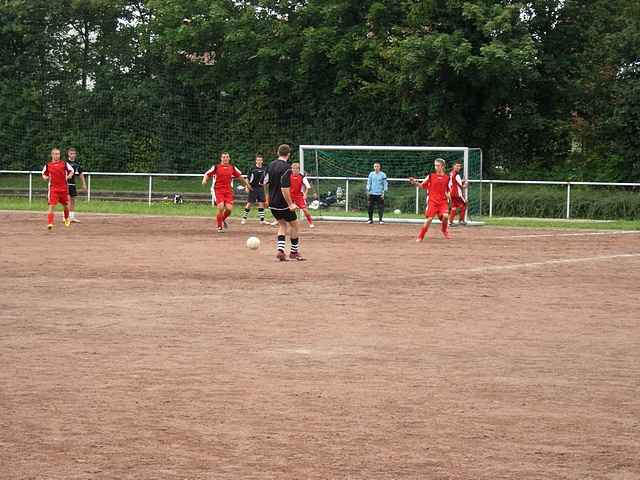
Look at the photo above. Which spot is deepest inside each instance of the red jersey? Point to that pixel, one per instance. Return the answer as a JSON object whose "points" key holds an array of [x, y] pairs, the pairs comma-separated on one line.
{"points": [[437, 187], [222, 175], [455, 185], [298, 182], [57, 173]]}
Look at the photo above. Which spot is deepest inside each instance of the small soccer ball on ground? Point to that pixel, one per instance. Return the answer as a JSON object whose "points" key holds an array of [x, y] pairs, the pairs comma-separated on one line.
{"points": [[253, 243], [397, 211]]}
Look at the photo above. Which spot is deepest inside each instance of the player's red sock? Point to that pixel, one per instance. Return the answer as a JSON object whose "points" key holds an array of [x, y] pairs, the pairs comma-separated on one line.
{"points": [[309, 219], [226, 214], [452, 215], [50, 218], [445, 227], [219, 219], [423, 232], [66, 213], [463, 211]]}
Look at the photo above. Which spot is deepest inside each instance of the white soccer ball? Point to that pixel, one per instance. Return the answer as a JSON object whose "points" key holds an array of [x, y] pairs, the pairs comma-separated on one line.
{"points": [[397, 211], [240, 188], [253, 243]]}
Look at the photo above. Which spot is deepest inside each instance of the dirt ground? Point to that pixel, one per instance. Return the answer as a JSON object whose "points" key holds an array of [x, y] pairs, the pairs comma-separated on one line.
{"points": [[154, 348]]}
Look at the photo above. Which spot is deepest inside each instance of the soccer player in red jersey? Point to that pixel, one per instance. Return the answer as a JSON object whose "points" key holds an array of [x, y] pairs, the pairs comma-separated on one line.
{"points": [[458, 202], [222, 175], [57, 172], [298, 190], [437, 187]]}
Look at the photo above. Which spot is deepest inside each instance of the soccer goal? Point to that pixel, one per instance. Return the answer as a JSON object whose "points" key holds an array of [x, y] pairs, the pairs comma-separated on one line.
{"points": [[339, 175]]}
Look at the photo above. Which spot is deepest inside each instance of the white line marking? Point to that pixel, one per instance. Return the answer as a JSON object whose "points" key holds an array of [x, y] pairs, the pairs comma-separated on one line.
{"points": [[565, 261], [533, 235]]}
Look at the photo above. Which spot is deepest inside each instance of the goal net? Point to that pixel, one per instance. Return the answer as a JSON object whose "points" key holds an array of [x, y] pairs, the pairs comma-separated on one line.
{"points": [[339, 174]]}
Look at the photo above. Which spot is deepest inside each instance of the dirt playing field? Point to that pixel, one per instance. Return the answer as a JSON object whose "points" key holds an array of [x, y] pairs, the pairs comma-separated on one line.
{"points": [[154, 348]]}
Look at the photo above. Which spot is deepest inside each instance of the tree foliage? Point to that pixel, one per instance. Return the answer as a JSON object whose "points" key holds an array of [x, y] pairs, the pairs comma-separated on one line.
{"points": [[548, 88]]}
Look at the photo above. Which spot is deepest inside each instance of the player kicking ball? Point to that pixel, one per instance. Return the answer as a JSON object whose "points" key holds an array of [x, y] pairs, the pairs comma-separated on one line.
{"points": [[221, 176], [57, 172], [437, 187], [277, 186], [300, 186]]}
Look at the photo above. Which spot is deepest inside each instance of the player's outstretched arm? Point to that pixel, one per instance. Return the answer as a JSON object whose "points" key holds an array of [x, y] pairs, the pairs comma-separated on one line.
{"points": [[247, 185], [205, 179], [84, 182]]}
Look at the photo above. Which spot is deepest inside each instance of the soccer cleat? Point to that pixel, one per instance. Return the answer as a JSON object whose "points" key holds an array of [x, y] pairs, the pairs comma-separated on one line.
{"points": [[67, 222], [296, 256], [220, 230], [462, 222], [281, 256], [50, 226], [419, 239], [311, 225], [262, 222], [226, 225], [75, 220], [243, 221], [369, 222], [381, 222]]}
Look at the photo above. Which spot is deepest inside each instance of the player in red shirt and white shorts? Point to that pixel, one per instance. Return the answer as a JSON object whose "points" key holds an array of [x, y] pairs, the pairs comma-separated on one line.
{"points": [[57, 172], [299, 189], [437, 187], [458, 202], [222, 175]]}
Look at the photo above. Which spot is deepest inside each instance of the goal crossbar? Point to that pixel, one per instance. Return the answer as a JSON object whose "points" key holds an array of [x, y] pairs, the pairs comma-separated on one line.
{"points": [[397, 148]]}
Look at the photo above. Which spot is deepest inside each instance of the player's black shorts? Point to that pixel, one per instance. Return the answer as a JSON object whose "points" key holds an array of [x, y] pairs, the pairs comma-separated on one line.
{"points": [[72, 191], [256, 195], [286, 215]]}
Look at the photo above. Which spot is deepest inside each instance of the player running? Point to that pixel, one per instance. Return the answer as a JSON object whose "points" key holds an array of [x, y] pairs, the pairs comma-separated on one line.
{"points": [[222, 175], [256, 195], [458, 202], [300, 186], [73, 192], [57, 172], [437, 187], [277, 185]]}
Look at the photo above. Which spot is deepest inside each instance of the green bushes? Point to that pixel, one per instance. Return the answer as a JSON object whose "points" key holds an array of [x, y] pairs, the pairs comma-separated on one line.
{"points": [[550, 202]]}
